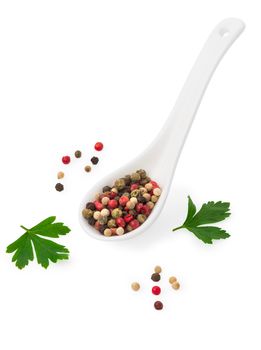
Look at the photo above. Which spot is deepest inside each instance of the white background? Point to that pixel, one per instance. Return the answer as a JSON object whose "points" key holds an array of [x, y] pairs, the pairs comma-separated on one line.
{"points": [[76, 72]]}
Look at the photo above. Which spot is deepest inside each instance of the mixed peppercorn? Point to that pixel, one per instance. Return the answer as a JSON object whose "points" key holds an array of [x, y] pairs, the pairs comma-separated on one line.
{"points": [[156, 290], [123, 207], [78, 154]]}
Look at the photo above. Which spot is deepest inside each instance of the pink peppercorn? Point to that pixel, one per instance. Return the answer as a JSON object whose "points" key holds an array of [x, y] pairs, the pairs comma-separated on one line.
{"points": [[97, 225], [120, 222], [98, 205], [98, 146], [156, 290], [154, 184], [145, 210], [123, 200], [112, 195], [139, 207], [128, 218], [112, 204], [134, 187], [66, 159], [134, 224]]}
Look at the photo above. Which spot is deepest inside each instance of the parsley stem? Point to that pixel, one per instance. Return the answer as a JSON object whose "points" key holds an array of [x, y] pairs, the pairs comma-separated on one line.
{"points": [[178, 228], [26, 229]]}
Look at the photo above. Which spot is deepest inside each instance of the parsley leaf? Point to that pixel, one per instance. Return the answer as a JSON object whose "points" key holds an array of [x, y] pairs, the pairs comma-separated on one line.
{"points": [[209, 213], [45, 249]]}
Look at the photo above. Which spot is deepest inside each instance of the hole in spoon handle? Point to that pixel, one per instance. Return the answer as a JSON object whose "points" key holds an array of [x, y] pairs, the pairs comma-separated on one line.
{"points": [[177, 126]]}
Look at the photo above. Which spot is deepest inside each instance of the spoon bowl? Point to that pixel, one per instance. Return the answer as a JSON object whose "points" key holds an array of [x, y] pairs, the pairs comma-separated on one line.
{"points": [[161, 157]]}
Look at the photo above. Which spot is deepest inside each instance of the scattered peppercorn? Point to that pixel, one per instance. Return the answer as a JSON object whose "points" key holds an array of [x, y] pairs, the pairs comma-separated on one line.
{"points": [[135, 286], [156, 290], [158, 305], [94, 160], [175, 285], [155, 277], [78, 154], [126, 205], [66, 159], [59, 187], [60, 175], [88, 168], [172, 279], [157, 269], [98, 146]]}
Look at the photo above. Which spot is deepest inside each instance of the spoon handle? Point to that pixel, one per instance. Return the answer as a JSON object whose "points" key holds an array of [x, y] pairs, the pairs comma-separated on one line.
{"points": [[177, 126]]}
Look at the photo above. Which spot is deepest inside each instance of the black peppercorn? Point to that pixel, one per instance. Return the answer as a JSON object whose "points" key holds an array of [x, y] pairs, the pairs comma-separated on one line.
{"points": [[78, 154], [91, 206], [91, 221], [106, 189], [141, 199], [155, 277], [158, 305], [94, 160], [102, 228], [127, 179], [59, 187]]}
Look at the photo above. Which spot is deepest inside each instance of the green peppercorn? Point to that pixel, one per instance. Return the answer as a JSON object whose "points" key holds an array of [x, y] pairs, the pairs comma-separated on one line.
{"points": [[126, 194], [59, 187], [78, 154], [103, 220], [143, 190], [142, 173], [135, 193], [129, 228], [111, 223], [135, 177], [94, 160], [133, 212], [116, 213], [119, 184], [141, 218], [87, 213]]}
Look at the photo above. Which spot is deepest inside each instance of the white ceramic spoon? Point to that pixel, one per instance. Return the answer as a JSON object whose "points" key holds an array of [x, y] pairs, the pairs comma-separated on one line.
{"points": [[161, 157]]}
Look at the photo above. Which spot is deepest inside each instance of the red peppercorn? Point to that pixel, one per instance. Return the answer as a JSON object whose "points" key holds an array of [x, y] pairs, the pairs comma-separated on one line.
{"points": [[120, 222], [134, 224], [154, 184], [145, 210], [139, 207], [98, 146], [128, 218], [97, 225], [113, 231], [112, 204], [112, 195], [66, 159], [156, 290], [123, 200], [134, 187], [98, 205]]}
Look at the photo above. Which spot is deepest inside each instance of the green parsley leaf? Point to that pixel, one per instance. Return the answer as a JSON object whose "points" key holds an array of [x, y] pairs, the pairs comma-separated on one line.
{"points": [[209, 213], [45, 249]]}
